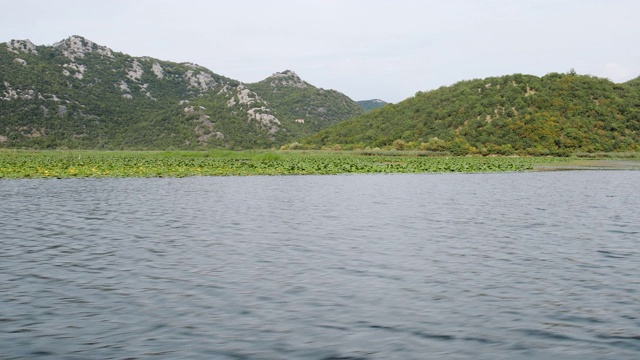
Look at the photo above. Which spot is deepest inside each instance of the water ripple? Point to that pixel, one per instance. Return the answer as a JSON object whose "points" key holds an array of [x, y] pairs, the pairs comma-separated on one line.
{"points": [[456, 266]]}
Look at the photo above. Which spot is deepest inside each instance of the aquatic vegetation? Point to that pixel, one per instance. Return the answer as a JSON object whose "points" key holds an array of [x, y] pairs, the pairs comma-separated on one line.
{"points": [[82, 164]]}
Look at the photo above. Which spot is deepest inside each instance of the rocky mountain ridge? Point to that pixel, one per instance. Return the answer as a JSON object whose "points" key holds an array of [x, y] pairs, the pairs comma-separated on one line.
{"points": [[79, 94]]}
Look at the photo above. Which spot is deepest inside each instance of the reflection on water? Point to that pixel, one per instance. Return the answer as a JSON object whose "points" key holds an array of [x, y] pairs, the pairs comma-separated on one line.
{"points": [[463, 266]]}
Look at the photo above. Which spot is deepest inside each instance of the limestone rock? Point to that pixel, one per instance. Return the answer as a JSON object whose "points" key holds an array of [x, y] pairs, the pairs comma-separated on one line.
{"points": [[17, 46], [77, 47], [287, 78]]}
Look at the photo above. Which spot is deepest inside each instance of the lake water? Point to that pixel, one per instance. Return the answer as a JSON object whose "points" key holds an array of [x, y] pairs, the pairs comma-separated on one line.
{"points": [[443, 266]]}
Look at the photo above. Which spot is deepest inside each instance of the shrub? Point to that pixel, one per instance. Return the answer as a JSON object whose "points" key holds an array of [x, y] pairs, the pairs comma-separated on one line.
{"points": [[293, 146], [399, 144], [434, 144]]}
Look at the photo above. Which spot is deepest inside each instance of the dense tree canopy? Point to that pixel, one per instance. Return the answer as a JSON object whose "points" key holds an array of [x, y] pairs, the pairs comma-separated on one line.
{"points": [[516, 113]]}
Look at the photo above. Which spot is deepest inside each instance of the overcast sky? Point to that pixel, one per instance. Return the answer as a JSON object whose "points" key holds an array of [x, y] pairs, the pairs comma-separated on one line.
{"points": [[387, 49]]}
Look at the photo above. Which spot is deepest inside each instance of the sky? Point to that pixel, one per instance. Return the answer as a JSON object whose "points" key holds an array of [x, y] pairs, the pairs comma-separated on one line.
{"points": [[367, 49]]}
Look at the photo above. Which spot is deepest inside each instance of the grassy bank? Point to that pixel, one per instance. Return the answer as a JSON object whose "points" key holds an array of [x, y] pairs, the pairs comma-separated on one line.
{"points": [[83, 164]]}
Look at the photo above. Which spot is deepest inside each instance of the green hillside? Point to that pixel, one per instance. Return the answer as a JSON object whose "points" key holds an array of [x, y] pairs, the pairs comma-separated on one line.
{"points": [[78, 94], [634, 82], [553, 114]]}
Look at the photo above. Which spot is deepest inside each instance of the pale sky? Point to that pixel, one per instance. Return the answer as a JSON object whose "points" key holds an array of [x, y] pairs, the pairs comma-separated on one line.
{"points": [[387, 49]]}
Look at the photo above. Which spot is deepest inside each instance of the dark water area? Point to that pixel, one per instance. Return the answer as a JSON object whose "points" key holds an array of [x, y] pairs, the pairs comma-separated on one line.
{"points": [[445, 266]]}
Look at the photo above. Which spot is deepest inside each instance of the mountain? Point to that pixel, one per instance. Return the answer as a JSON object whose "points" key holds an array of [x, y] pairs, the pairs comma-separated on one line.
{"points": [[78, 94], [553, 114], [304, 108], [372, 104]]}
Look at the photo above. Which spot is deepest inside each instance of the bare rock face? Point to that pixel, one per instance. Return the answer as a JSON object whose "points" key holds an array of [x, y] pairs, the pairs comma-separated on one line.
{"points": [[124, 87], [157, 69], [287, 78], [77, 47], [255, 106], [143, 88], [204, 128], [135, 72], [14, 94], [264, 119], [243, 96], [78, 70], [17, 46], [201, 80]]}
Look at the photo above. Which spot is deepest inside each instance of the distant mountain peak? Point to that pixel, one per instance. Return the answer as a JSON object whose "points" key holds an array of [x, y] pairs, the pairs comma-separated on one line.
{"points": [[369, 105], [77, 47], [287, 78]]}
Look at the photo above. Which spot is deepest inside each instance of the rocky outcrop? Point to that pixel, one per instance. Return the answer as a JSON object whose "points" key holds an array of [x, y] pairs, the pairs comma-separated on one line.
{"points": [[135, 72], [77, 47], [287, 78], [200, 80], [264, 119], [204, 128], [243, 96], [78, 70], [25, 46], [157, 69], [14, 94], [257, 108]]}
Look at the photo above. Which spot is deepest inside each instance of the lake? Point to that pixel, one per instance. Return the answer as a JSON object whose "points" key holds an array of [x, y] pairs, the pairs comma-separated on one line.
{"points": [[534, 265]]}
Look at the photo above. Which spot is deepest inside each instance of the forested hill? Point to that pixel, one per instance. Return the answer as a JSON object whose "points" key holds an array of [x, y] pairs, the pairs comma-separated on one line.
{"points": [[552, 114], [78, 94], [634, 82]]}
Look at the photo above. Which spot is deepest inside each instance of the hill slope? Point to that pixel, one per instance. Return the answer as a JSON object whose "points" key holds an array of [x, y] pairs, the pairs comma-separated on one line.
{"points": [[634, 82], [79, 94], [554, 113], [306, 108]]}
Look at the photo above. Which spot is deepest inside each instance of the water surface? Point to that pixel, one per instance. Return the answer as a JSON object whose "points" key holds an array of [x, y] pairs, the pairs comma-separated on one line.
{"points": [[455, 266]]}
